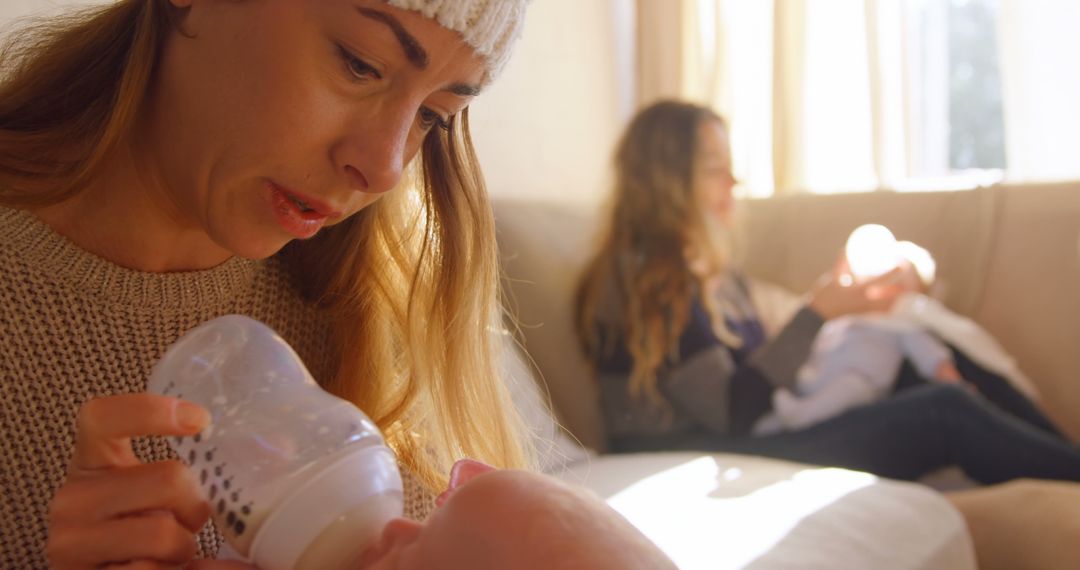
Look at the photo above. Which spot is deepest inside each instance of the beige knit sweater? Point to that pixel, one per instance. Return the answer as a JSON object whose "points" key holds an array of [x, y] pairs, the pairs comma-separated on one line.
{"points": [[74, 326]]}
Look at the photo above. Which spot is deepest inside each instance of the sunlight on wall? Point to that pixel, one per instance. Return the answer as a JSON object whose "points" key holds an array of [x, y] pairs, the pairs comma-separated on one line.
{"points": [[835, 87], [548, 126], [744, 92]]}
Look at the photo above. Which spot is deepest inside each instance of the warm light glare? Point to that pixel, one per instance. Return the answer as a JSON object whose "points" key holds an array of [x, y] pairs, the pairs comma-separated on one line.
{"points": [[714, 501], [871, 251]]}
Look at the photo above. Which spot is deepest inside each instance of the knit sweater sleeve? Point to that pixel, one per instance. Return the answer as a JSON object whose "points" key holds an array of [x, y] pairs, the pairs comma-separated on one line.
{"points": [[419, 500]]}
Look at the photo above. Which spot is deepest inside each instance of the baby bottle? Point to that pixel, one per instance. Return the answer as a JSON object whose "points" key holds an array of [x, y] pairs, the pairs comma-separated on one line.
{"points": [[295, 477]]}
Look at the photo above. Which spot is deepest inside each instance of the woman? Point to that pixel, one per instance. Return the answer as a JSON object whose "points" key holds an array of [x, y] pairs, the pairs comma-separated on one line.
{"points": [[163, 162], [683, 360]]}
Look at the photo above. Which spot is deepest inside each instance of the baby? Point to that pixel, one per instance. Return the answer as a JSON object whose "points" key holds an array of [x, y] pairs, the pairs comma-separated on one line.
{"points": [[501, 519], [855, 360], [492, 519]]}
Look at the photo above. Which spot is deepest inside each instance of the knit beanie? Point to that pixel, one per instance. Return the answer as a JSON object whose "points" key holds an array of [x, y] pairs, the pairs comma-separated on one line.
{"points": [[489, 26]]}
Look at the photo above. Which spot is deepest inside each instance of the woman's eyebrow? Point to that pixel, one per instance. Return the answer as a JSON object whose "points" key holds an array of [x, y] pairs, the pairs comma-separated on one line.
{"points": [[463, 90], [414, 52]]}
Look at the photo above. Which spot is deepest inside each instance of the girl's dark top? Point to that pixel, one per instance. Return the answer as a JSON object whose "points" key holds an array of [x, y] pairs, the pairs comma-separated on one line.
{"points": [[710, 389]]}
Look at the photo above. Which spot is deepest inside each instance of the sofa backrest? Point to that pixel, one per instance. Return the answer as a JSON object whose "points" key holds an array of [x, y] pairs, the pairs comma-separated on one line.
{"points": [[543, 249], [1008, 257]]}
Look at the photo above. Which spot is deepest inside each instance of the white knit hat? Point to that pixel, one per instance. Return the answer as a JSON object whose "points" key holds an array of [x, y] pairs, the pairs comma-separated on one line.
{"points": [[489, 26]]}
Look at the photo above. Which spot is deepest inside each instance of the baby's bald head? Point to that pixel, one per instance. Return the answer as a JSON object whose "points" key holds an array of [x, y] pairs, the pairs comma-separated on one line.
{"points": [[515, 519]]}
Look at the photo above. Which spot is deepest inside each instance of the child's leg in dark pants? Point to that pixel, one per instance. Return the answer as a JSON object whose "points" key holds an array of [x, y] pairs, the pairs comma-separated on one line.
{"points": [[922, 429]]}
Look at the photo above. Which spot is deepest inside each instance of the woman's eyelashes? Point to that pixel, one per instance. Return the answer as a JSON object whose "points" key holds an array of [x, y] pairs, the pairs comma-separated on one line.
{"points": [[429, 119], [360, 71]]}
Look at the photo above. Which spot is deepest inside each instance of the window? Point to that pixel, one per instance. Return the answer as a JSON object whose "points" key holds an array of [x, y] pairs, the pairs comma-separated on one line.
{"points": [[956, 90], [854, 95]]}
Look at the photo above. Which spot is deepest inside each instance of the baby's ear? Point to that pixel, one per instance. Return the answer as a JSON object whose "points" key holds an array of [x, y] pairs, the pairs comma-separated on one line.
{"points": [[401, 530], [462, 472], [396, 535]]}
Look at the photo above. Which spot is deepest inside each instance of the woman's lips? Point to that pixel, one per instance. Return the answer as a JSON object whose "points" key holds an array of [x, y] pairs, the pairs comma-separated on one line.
{"points": [[312, 203], [299, 221]]}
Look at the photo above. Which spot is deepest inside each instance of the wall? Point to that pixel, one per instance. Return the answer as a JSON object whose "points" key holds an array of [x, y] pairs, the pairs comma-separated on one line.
{"points": [[12, 9], [546, 129]]}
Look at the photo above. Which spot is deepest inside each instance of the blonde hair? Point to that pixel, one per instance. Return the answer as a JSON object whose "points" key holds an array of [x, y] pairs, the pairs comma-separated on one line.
{"points": [[659, 248], [410, 283]]}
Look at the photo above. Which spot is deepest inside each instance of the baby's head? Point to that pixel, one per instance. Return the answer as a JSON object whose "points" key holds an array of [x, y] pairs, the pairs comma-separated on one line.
{"points": [[919, 265], [514, 519]]}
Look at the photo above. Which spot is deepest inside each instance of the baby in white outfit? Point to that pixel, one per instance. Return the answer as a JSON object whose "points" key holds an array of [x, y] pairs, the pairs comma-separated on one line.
{"points": [[855, 360]]}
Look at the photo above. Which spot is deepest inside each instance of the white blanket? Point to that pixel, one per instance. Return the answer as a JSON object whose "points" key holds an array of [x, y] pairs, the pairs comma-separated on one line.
{"points": [[716, 511]]}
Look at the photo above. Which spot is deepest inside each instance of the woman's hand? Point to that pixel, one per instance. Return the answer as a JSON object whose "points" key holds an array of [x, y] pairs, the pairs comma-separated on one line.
{"points": [[114, 510], [838, 295], [218, 565]]}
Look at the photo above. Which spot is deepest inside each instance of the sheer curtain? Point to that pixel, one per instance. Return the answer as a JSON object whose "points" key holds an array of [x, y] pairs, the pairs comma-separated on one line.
{"points": [[863, 94], [810, 107], [1040, 44]]}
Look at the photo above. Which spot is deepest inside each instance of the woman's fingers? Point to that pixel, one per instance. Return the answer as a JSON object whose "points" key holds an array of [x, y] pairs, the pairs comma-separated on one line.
{"points": [[841, 266], [106, 426], [836, 298], [888, 279], [154, 538], [141, 565], [113, 510], [882, 291], [165, 486], [218, 565]]}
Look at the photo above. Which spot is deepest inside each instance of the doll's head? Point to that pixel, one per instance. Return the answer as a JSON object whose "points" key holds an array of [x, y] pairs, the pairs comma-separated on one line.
{"points": [[515, 519]]}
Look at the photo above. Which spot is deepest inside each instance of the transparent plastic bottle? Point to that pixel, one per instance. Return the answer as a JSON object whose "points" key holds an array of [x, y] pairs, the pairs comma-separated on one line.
{"points": [[295, 477]]}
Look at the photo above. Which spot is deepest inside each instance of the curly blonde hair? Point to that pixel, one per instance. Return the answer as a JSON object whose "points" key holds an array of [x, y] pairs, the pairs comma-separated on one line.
{"points": [[659, 248]]}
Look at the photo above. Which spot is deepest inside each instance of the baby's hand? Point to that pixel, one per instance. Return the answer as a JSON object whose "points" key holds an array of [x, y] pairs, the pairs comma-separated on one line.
{"points": [[947, 372], [461, 473]]}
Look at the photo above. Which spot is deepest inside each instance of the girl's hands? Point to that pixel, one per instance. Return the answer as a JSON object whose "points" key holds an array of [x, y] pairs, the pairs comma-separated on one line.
{"points": [[115, 511], [837, 294]]}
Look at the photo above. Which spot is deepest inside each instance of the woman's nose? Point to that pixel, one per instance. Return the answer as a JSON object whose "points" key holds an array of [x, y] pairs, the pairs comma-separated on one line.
{"points": [[373, 155]]}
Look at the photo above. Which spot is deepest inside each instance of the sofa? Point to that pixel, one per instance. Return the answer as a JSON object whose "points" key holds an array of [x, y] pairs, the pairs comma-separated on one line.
{"points": [[1008, 257]]}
